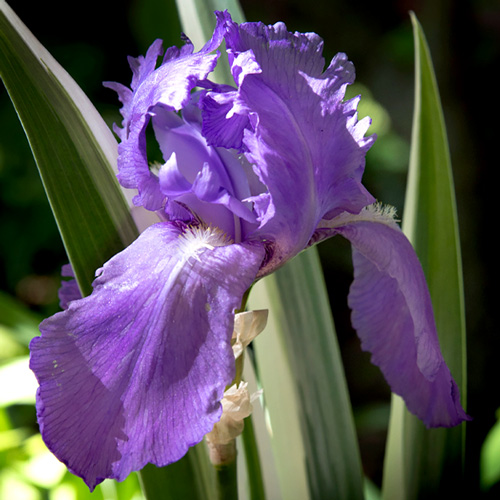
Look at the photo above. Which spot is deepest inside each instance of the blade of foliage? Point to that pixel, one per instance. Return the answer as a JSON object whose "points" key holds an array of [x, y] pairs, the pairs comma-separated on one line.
{"points": [[256, 483], [300, 342], [490, 456], [429, 462], [280, 398], [191, 477], [197, 17], [73, 148], [198, 20], [259, 478]]}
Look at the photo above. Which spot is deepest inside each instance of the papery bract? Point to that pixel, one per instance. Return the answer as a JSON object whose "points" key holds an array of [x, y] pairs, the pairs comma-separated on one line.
{"points": [[251, 175]]}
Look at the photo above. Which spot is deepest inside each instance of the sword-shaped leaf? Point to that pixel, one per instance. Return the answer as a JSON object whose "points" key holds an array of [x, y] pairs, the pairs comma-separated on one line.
{"points": [[299, 365], [74, 149], [421, 463]]}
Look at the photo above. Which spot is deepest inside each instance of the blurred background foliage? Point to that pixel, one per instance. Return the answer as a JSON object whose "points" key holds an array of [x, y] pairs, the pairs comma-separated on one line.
{"points": [[92, 39]]}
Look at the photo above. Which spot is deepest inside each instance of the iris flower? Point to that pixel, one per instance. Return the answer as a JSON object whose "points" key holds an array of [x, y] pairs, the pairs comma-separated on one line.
{"points": [[252, 174]]}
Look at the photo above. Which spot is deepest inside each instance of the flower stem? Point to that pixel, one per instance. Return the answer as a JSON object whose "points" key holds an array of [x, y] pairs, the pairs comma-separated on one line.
{"points": [[254, 469], [239, 361], [223, 457]]}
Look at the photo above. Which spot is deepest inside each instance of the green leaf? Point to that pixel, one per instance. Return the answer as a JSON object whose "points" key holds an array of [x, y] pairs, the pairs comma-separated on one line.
{"points": [[254, 468], [490, 456], [73, 147], [192, 477], [197, 18], [423, 463], [299, 366], [280, 398]]}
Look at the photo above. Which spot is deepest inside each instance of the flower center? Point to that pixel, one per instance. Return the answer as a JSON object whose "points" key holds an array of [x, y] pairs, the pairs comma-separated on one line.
{"points": [[196, 239]]}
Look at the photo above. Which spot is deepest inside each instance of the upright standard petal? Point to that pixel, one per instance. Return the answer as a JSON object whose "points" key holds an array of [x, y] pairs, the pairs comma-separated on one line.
{"points": [[168, 86], [305, 143], [210, 181], [392, 314], [135, 372]]}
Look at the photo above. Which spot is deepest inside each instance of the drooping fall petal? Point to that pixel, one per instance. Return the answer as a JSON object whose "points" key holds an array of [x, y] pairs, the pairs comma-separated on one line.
{"points": [[392, 314], [135, 372]]}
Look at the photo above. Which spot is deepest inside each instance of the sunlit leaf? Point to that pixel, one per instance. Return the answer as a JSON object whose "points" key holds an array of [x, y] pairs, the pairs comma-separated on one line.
{"points": [[490, 457], [198, 20], [12, 438], [12, 485], [421, 463], [42, 468], [299, 365]]}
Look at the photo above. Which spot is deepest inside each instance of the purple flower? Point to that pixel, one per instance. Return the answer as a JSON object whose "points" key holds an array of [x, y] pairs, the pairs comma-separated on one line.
{"points": [[251, 175]]}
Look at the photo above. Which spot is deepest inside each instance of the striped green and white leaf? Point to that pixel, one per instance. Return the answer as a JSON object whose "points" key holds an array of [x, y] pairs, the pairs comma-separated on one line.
{"points": [[421, 463], [74, 149], [299, 366], [198, 20]]}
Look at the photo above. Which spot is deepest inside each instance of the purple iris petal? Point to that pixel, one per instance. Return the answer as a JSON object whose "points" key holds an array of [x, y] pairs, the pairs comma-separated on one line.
{"points": [[392, 314], [69, 288], [169, 85], [217, 127], [306, 145], [213, 175], [134, 373]]}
